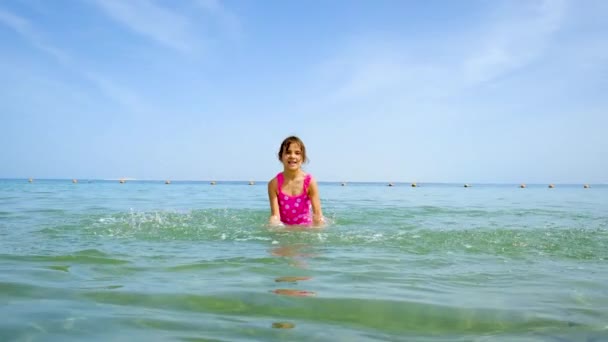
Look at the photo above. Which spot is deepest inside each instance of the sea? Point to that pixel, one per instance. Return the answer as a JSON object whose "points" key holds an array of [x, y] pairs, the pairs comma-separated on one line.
{"points": [[100, 260]]}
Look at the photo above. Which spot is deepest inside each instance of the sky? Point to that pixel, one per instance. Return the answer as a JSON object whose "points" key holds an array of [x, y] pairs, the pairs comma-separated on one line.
{"points": [[400, 91]]}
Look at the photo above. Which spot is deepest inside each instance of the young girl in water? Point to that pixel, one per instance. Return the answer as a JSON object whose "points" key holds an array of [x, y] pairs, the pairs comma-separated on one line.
{"points": [[293, 191]]}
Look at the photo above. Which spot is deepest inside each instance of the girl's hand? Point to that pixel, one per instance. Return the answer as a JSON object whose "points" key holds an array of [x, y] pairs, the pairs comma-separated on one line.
{"points": [[274, 221], [318, 221]]}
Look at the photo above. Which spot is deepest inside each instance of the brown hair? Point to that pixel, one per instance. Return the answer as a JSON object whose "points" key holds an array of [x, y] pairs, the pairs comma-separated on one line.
{"points": [[293, 140]]}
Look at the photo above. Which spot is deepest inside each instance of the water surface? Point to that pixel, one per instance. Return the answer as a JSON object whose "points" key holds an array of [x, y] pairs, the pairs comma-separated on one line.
{"points": [[189, 261]]}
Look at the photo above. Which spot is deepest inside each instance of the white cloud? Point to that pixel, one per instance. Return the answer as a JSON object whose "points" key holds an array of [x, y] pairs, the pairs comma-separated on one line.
{"points": [[152, 21], [226, 19], [15, 22], [168, 26], [25, 29], [384, 71], [402, 70], [514, 41], [121, 94]]}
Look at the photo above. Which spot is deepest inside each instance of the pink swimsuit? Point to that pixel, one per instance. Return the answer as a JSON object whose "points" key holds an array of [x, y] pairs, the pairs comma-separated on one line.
{"points": [[294, 209]]}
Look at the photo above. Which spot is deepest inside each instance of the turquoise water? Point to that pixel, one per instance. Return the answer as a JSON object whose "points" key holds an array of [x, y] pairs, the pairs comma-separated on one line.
{"points": [[103, 261]]}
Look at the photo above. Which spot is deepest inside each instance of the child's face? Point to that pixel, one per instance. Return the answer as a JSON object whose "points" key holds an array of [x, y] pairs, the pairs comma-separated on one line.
{"points": [[292, 157]]}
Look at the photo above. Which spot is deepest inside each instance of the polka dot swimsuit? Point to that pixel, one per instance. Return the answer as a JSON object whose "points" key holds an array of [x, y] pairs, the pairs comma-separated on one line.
{"points": [[294, 209]]}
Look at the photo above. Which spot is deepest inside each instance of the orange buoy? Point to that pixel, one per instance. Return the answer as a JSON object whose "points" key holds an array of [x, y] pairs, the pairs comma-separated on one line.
{"points": [[294, 293], [283, 325], [291, 279]]}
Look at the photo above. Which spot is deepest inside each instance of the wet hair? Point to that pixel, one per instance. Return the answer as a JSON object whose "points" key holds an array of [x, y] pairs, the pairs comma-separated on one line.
{"points": [[292, 140]]}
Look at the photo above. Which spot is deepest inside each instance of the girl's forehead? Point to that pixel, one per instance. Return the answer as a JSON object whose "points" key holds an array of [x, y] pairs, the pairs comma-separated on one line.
{"points": [[293, 146]]}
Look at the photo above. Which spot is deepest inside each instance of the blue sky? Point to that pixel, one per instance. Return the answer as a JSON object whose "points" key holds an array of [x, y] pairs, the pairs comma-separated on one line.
{"points": [[425, 91]]}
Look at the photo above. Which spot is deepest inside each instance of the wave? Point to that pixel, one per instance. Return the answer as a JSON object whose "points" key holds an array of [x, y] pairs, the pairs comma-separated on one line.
{"points": [[409, 231]]}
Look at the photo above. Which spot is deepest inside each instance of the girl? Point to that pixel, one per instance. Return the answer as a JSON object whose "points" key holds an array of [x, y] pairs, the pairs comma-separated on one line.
{"points": [[293, 192]]}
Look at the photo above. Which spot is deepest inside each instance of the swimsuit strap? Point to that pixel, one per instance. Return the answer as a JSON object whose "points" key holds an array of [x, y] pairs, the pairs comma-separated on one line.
{"points": [[306, 183], [280, 180]]}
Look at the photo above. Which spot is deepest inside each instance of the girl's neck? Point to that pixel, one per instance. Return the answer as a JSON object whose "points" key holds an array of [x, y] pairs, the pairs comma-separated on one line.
{"points": [[292, 174]]}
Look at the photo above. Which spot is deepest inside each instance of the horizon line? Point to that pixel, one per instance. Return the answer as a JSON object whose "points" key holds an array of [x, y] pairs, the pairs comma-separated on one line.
{"points": [[129, 179]]}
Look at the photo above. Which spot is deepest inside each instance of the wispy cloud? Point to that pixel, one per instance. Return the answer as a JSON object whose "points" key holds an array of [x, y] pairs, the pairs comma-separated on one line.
{"points": [[168, 26], [516, 40], [119, 93], [24, 28], [148, 19], [27, 31], [225, 18], [369, 74], [383, 70], [15, 22], [391, 67]]}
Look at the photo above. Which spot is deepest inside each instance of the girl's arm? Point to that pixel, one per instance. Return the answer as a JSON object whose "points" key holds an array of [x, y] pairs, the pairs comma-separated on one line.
{"points": [[317, 212], [274, 218]]}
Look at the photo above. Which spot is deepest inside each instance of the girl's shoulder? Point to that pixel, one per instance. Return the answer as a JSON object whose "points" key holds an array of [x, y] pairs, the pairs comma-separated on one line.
{"points": [[276, 178], [273, 183]]}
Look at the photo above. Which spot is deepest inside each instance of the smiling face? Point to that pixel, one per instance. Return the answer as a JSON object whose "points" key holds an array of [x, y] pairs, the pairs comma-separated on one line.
{"points": [[292, 153], [292, 156]]}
